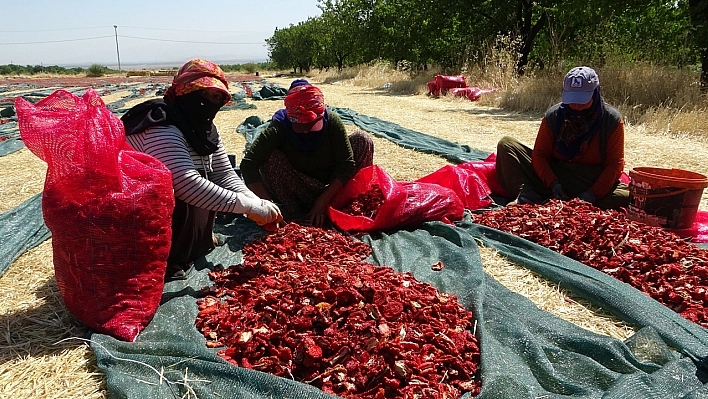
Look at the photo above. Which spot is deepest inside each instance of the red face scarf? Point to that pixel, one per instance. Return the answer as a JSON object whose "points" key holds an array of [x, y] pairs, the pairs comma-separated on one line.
{"points": [[304, 104]]}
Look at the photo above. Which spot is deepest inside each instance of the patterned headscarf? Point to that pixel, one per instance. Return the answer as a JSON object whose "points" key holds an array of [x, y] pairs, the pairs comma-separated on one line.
{"points": [[198, 74], [304, 104]]}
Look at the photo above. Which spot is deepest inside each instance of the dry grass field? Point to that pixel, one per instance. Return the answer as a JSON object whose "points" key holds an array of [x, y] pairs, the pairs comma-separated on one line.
{"points": [[39, 355]]}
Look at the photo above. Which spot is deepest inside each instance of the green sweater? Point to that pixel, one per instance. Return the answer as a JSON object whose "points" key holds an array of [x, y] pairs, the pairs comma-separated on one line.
{"points": [[333, 158]]}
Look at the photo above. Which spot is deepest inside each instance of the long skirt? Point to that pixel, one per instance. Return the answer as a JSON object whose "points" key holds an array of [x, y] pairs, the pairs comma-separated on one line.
{"points": [[191, 235]]}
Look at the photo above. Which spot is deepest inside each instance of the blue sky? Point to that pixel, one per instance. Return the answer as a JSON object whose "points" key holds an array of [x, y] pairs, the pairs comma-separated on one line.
{"points": [[81, 32]]}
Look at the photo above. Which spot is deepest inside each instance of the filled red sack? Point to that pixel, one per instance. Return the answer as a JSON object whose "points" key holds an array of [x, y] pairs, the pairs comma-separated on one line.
{"points": [[109, 210], [445, 83], [433, 89], [404, 204], [468, 186], [470, 93], [487, 172]]}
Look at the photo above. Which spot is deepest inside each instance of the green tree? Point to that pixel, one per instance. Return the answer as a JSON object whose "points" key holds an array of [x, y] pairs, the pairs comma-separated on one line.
{"points": [[343, 33], [699, 19]]}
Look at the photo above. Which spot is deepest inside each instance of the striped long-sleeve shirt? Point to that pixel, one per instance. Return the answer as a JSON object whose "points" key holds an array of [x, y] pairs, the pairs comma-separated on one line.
{"points": [[208, 182]]}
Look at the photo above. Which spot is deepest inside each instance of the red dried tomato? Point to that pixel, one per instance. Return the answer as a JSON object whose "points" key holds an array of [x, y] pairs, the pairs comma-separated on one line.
{"points": [[651, 259], [366, 204], [304, 305]]}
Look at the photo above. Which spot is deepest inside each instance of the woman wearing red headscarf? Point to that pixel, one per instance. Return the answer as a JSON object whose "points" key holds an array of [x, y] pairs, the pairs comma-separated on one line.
{"points": [[179, 131], [304, 156]]}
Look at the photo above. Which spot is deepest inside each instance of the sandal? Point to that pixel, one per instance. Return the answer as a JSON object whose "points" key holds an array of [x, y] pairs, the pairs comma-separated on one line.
{"points": [[174, 274], [218, 240]]}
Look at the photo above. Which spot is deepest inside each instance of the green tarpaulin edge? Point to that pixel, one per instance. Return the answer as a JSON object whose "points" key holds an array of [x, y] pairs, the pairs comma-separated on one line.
{"points": [[411, 139], [404, 137]]}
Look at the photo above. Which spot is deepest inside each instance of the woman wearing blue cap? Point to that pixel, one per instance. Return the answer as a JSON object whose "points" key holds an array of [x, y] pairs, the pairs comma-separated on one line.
{"points": [[304, 156], [579, 150]]}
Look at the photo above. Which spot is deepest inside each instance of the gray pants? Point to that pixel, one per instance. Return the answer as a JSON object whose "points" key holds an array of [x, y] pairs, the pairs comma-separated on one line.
{"points": [[516, 173]]}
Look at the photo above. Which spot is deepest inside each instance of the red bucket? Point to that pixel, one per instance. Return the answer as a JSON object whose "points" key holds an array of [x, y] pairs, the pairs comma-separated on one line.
{"points": [[665, 197]]}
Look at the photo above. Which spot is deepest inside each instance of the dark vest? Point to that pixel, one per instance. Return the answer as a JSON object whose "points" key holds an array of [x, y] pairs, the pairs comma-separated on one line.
{"points": [[611, 117]]}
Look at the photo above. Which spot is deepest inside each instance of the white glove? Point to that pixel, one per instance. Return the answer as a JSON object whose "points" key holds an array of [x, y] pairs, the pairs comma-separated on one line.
{"points": [[261, 211]]}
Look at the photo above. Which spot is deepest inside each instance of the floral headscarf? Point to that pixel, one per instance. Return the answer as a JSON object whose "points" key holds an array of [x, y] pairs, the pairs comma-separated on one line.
{"points": [[304, 104], [198, 74]]}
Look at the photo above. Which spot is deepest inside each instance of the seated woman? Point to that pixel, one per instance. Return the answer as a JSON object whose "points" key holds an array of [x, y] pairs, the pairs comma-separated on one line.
{"points": [[304, 156], [179, 131], [579, 150]]}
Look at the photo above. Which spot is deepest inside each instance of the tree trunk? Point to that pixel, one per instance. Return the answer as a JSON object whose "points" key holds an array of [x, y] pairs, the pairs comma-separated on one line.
{"points": [[704, 71], [698, 10], [529, 37]]}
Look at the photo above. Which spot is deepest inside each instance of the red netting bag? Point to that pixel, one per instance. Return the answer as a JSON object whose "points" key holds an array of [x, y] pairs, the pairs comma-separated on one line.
{"points": [[389, 204], [466, 183], [108, 207]]}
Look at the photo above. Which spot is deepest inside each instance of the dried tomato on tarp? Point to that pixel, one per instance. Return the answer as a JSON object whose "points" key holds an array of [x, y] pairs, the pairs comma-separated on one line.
{"points": [[304, 305], [651, 259], [367, 203]]}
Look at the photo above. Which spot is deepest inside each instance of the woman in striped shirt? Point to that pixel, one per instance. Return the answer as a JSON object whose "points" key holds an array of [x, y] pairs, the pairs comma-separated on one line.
{"points": [[178, 130]]}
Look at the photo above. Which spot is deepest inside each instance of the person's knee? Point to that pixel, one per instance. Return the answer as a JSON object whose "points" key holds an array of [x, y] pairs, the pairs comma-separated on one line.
{"points": [[506, 143], [614, 200], [363, 148], [362, 138]]}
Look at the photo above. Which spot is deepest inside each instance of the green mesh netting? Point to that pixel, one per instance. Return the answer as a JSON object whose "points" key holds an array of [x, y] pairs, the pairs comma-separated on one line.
{"points": [[411, 139], [10, 140], [404, 137], [270, 92], [22, 229], [526, 352]]}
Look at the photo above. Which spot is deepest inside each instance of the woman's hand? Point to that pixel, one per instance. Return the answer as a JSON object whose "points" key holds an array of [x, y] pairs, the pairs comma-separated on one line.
{"points": [[262, 211], [318, 214]]}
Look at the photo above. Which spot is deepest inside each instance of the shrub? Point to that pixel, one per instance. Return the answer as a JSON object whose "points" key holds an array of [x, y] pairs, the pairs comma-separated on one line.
{"points": [[96, 70]]}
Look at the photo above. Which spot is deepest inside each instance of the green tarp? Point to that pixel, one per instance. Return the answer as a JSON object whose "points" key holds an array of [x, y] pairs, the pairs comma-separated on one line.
{"points": [[525, 352], [22, 229], [270, 92], [404, 137], [10, 140], [407, 138]]}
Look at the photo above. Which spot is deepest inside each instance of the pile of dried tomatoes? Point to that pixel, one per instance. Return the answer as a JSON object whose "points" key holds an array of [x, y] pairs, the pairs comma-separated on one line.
{"points": [[651, 259], [304, 305], [367, 203]]}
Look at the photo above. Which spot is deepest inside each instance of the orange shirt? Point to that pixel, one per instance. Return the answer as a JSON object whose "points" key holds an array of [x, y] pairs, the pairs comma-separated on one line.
{"points": [[544, 151]]}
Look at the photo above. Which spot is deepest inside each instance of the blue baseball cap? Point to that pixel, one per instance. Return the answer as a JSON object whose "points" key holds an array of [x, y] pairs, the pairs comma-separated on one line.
{"points": [[299, 82], [579, 85]]}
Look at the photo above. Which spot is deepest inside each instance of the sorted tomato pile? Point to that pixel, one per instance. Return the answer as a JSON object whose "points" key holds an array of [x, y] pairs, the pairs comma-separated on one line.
{"points": [[367, 203], [303, 305], [651, 259]]}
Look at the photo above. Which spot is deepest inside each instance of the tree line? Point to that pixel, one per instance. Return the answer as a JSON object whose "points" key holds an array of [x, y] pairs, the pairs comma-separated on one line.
{"points": [[12, 69], [100, 70], [455, 33]]}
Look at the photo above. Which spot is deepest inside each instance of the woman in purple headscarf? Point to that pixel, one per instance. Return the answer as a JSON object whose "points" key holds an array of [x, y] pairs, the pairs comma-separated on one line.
{"points": [[304, 156]]}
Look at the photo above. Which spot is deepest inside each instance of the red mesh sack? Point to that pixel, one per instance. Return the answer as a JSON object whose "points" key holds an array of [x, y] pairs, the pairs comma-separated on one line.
{"points": [[444, 82], [108, 208], [433, 89], [470, 93], [402, 204], [468, 186], [487, 171]]}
